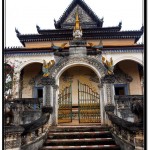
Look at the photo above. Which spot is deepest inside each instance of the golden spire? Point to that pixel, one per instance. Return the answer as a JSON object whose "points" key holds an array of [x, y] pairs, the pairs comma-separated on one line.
{"points": [[77, 23]]}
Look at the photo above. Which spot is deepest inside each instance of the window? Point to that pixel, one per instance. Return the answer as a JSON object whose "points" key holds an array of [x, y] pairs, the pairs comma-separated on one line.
{"points": [[121, 89], [38, 92]]}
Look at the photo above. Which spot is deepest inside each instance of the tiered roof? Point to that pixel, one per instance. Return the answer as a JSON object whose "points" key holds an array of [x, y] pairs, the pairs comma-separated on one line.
{"points": [[91, 27]]}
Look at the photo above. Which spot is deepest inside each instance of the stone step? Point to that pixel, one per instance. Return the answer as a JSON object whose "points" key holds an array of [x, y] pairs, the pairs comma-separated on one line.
{"points": [[76, 135], [79, 128], [80, 137], [77, 142], [92, 147]]}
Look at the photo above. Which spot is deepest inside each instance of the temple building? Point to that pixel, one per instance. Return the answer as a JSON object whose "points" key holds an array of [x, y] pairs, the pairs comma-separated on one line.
{"points": [[78, 77]]}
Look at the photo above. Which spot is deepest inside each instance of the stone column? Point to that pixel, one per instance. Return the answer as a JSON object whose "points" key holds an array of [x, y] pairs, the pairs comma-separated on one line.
{"points": [[16, 84], [48, 98], [47, 82], [101, 102], [54, 115], [108, 81]]}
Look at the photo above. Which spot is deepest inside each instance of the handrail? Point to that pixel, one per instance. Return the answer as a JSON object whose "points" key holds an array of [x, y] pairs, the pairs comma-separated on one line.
{"points": [[128, 97], [130, 126], [33, 126]]}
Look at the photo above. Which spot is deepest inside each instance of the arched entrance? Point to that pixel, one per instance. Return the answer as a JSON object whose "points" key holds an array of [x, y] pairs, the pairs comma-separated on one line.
{"points": [[79, 96]]}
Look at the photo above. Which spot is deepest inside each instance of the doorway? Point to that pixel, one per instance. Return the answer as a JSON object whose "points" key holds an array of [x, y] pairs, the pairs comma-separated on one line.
{"points": [[79, 98]]}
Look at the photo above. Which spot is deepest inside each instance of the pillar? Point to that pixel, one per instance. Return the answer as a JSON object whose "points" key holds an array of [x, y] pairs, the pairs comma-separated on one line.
{"points": [[16, 84], [108, 81]]}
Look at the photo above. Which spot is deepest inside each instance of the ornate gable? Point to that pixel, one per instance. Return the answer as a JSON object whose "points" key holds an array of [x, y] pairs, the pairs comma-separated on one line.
{"points": [[87, 17]]}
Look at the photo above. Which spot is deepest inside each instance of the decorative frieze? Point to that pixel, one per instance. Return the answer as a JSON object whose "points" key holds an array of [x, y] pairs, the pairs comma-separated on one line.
{"points": [[77, 60], [121, 77], [108, 79]]}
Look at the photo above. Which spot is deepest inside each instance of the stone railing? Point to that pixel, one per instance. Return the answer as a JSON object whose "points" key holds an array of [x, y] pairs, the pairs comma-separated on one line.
{"points": [[35, 133], [12, 137], [27, 103], [22, 111], [127, 134], [28, 136], [129, 107]]}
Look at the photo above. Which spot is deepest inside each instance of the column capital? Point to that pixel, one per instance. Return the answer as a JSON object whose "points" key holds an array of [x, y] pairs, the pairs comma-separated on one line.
{"points": [[48, 81], [108, 79]]}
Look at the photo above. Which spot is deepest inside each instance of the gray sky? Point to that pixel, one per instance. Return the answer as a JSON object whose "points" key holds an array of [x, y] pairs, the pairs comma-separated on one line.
{"points": [[26, 14]]}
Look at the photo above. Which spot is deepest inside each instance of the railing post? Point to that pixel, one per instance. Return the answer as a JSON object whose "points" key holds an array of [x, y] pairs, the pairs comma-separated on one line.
{"points": [[13, 137]]}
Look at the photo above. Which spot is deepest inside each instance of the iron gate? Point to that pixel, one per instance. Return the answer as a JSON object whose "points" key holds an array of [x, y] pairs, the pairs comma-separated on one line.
{"points": [[89, 104], [65, 105]]}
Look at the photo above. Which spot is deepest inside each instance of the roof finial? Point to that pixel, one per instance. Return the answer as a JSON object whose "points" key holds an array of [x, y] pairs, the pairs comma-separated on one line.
{"points": [[77, 22]]}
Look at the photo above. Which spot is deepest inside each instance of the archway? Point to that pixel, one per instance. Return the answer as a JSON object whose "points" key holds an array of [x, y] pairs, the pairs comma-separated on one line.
{"points": [[30, 81], [129, 75], [79, 96]]}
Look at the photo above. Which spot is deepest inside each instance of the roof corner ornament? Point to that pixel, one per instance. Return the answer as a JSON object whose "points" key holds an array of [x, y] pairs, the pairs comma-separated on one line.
{"points": [[120, 24], [37, 27], [77, 31], [109, 65], [142, 28], [17, 32], [102, 19]]}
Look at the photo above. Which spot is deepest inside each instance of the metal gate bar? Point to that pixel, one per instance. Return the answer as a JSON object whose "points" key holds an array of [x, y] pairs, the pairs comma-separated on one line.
{"points": [[89, 104], [65, 105]]}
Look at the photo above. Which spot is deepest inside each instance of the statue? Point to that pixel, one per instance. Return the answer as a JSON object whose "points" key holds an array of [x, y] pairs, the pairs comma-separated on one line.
{"points": [[46, 67], [77, 32], [58, 48], [108, 65], [96, 47]]}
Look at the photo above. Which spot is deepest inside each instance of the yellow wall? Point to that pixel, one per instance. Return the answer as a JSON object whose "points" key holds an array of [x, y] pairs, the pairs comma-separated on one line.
{"points": [[78, 73], [106, 42], [131, 68], [30, 72]]}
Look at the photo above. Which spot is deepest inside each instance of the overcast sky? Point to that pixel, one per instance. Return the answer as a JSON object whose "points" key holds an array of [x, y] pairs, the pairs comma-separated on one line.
{"points": [[26, 14]]}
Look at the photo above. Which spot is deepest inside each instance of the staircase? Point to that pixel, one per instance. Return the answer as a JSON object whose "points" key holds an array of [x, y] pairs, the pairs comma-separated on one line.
{"points": [[80, 137]]}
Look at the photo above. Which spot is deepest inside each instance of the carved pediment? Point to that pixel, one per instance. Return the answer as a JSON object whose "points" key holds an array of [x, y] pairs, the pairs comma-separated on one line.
{"points": [[121, 76], [84, 18], [88, 19]]}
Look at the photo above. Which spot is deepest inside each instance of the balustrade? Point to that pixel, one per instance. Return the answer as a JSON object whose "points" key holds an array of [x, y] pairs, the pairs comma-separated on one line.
{"points": [[126, 104]]}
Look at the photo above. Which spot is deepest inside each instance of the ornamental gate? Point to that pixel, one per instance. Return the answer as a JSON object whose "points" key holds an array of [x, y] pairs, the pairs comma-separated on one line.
{"points": [[65, 105], [89, 104]]}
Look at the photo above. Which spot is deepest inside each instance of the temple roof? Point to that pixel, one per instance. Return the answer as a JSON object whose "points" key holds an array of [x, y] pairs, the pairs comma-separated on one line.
{"points": [[91, 27], [87, 17], [88, 34]]}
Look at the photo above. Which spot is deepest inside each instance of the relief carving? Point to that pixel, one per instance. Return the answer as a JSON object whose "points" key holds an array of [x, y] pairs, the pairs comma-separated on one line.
{"points": [[77, 60]]}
